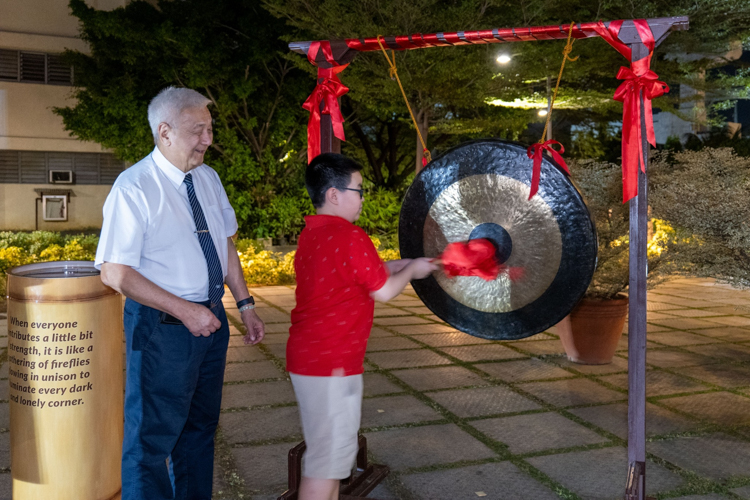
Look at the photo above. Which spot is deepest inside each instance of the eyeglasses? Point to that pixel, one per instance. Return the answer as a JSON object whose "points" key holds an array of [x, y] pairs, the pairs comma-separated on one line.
{"points": [[360, 191]]}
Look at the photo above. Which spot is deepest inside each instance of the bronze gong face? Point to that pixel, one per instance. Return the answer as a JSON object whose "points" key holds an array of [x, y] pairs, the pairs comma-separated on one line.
{"points": [[480, 189]]}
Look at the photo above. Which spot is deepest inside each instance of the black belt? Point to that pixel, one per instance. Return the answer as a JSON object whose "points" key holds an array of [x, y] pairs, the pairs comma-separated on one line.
{"points": [[168, 319]]}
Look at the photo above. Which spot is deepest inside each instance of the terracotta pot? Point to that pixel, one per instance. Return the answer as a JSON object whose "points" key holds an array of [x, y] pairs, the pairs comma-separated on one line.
{"points": [[596, 328]]}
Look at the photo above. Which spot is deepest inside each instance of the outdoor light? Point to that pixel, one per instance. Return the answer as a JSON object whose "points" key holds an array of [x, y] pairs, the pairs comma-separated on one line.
{"points": [[503, 59], [542, 112]]}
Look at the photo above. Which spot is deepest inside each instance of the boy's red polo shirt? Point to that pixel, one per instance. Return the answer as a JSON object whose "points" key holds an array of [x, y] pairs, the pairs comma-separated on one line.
{"points": [[337, 267]]}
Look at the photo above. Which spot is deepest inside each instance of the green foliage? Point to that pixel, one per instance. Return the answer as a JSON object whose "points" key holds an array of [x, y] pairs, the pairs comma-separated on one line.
{"points": [[230, 52], [444, 86], [262, 267], [235, 53], [35, 242], [380, 213], [284, 216], [449, 87], [20, 248], [705, 194], [32, 243]]}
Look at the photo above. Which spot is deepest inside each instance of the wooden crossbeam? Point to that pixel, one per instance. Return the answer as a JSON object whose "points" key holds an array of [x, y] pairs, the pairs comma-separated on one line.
{"points": [[345, 50]]}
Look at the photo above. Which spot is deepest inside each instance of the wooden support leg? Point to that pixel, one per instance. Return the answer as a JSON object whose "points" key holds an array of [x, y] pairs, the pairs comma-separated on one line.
{"points": [[636, 481], [358, 485]]}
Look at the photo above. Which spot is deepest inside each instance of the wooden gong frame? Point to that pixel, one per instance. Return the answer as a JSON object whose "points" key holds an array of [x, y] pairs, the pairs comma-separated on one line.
{"points": [[344, 51]]}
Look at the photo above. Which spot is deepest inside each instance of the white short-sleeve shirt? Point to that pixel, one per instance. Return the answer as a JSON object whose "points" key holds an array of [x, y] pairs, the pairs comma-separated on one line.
{"points": [[148, 225]]}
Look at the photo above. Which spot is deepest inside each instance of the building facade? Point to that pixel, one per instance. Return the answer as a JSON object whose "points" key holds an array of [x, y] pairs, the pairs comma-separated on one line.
{"points": [[48, 179]]}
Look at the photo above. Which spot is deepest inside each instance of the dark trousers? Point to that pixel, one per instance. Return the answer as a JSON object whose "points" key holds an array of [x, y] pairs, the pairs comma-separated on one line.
{"points": [[172, 404]]}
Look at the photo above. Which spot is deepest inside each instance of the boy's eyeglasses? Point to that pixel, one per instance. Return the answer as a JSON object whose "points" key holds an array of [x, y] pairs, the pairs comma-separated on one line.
{"points": [[360, 191]]}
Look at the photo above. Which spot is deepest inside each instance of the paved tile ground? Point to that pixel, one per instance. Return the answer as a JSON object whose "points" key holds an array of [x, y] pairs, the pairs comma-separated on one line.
{"points": [[457, 417]]}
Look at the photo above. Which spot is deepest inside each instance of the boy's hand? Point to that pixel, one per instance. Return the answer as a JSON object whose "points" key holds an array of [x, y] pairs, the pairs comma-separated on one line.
{"points": [[422, 267], [395, 266]]}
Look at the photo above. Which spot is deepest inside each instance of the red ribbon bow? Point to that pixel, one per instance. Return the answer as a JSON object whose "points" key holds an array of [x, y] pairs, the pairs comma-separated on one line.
{"points": [[629, 93], [327, 92], [535, 152], [637, 78]]}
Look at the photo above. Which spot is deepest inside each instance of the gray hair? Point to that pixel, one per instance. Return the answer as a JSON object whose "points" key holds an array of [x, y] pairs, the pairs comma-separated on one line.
{"points": [[168, 104]]}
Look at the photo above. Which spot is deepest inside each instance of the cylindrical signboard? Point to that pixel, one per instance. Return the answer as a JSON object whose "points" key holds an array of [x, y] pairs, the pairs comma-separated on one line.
{"points": [[66, 383]]}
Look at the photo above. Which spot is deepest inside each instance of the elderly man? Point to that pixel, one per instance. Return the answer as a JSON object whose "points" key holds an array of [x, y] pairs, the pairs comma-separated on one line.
{"points": [[166, 245]]}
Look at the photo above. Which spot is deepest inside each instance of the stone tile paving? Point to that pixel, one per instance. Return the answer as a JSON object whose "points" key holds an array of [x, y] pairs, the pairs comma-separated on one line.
{"points": [[598, 474], [572, 392], [717, 456], [537, 432], [722, 408], [524, 370], [396, 410], [501, 480], [613, 418], [483, 401], [710, 496], [411, 448], [425, 379], [743, 492], [456, 416], [659, 383]]}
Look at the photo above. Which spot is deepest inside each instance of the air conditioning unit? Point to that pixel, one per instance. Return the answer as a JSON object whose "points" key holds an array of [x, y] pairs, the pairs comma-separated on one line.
{"points": [[61, 177]]}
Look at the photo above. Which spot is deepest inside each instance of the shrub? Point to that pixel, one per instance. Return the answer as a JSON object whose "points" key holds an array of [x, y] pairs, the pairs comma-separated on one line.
{"points": [[705, 194], [33, 242], [73, 250], [259, 266], [380, 214], [13, 257], [601, 186], [385, 253], [262, 267]]}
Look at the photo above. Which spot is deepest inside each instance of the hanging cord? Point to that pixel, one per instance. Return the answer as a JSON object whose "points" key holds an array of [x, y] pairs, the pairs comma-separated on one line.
{"points": [[566, 57], [393, 72]]}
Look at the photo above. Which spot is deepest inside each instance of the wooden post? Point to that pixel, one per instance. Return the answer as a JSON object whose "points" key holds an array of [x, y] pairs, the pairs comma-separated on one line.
{"points": [[639, 229], [329, 143]]}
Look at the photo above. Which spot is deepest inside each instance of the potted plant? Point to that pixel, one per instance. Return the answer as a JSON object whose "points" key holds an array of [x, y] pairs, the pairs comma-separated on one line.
{"points": [[591, 332]]}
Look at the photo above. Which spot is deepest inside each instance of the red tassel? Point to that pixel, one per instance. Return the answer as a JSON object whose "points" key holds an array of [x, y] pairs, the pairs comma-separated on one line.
{"points": [[476, 258]]}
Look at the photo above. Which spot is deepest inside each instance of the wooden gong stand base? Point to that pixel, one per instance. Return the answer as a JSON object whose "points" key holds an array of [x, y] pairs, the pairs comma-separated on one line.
{"points": [[358, 485]]}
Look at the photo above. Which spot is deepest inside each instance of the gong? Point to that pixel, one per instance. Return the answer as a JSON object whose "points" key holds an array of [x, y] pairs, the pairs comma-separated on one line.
{"points": [[480, 189]]}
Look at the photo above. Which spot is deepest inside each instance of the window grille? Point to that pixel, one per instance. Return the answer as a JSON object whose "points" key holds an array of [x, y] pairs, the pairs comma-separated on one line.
{"points": [[33, 167], [9, 65], [58, 73], [10, 169], [34, 67]]}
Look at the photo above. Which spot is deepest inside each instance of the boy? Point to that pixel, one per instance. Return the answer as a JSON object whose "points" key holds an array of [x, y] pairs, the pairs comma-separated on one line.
{"points": [[339, 274]]}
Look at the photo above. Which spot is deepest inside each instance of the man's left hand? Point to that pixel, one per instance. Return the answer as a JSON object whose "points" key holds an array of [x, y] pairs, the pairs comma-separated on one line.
{"points": [[255, 327]]}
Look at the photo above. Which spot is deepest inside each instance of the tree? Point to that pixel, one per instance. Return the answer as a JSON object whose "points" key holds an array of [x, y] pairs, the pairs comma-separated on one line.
{"points": [[449, 88], [230, 52], [441, 84]]}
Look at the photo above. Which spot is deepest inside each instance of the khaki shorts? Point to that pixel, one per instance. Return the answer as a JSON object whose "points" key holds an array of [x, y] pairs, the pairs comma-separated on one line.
{"points": [[330, 409]]}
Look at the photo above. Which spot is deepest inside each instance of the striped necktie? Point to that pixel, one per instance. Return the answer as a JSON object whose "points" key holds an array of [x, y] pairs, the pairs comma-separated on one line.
{"points": [[215, 274]]}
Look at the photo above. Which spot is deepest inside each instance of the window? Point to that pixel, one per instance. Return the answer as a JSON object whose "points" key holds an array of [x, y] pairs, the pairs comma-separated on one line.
{"points": [[9, 65], [34, 167], [34, 67], [55, 207]]}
